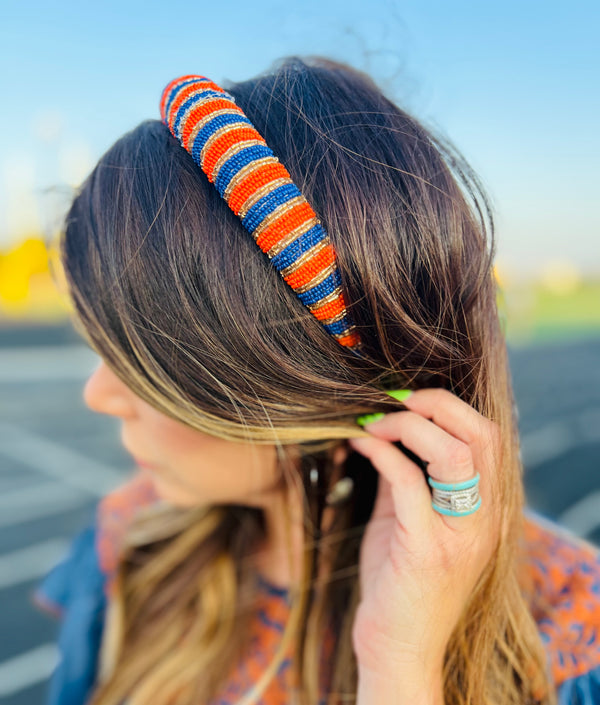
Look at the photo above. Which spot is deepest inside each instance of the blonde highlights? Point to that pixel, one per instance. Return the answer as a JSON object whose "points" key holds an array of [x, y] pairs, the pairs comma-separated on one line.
{"points": [[171, 291]]}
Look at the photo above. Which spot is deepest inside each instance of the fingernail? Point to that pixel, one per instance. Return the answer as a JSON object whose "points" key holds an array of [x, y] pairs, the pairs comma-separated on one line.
{"points": [[399, 394], [369, 418]]}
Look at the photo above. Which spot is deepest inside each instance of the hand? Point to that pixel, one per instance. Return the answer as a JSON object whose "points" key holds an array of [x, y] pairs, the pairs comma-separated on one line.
{"points": [[418, 567]]}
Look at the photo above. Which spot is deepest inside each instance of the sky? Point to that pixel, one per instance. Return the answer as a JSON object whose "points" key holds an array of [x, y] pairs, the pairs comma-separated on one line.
{"points": [[513, 84]]}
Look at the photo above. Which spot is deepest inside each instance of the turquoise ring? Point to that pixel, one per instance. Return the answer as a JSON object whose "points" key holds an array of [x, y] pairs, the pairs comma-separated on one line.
{"points": [[456, 499]]}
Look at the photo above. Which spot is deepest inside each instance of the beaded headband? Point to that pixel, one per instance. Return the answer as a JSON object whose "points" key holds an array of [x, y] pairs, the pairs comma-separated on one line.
{"points": [[258, 188]]}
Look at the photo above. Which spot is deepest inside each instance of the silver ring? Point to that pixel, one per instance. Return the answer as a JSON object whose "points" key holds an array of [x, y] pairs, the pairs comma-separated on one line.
{"points": [[455, 499]]}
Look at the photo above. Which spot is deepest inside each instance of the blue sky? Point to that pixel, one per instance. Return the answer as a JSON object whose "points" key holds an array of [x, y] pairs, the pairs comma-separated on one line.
{"points": [[513, 84]]}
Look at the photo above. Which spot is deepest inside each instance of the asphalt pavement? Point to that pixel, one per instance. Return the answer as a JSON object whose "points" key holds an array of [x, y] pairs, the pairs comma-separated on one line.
{"points": [[57, 458]]}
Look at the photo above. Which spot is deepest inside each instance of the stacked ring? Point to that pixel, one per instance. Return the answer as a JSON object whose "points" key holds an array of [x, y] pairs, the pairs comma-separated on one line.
{"points": [[455, 499]]}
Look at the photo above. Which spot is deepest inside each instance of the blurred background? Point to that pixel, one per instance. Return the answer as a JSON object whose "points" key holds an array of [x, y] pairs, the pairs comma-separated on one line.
{"points": [[511, 84]]}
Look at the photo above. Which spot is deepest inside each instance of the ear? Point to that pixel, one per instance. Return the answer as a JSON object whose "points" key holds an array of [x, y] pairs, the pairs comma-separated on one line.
{"points": [[341, 453]]}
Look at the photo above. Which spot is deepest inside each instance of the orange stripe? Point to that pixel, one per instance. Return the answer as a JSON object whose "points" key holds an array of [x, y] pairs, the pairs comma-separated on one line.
{"points": [[169, 87], [202, 111], [185, 93], [182, 95], [283, 225], [331, 309], [255, 180], [311, 268], [218, 148], [349, 340]]}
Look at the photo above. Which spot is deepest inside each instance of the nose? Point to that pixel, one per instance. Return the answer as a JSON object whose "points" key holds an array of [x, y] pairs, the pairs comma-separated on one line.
{"points": [[105, 393]]}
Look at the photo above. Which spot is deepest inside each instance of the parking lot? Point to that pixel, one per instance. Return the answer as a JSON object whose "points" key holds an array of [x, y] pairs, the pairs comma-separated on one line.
{"points": [[57, 458]]}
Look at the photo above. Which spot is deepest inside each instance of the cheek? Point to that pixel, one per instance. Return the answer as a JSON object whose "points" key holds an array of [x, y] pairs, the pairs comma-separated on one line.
{"points": [[190, 455], [171, 438], [208, 467]]}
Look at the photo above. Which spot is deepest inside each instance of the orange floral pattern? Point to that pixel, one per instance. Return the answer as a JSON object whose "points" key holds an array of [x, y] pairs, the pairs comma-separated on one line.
{"points": [[561, 580], [564, 593]]}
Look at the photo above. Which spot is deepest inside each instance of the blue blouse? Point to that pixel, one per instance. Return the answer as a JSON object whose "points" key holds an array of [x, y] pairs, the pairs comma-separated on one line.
{"points": [[74, 590]]}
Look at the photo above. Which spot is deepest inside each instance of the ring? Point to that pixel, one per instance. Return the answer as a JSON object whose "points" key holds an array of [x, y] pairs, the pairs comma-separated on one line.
{"points": [[456, 499]]}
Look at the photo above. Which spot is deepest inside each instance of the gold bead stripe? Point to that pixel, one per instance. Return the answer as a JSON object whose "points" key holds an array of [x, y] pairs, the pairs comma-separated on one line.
{"points": [[323, 274], [197, 103], [263, 191], [205, 120], [314, 250], [335, 319], [250, 187], [171, 90], [242, 173], [215, 135], [348, 330], [293, 235], [326, 299], [232, 151], [173, 113], [277, 213]]}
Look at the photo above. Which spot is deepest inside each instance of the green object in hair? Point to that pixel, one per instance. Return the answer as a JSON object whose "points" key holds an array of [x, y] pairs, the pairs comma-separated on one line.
{"points": [[399, 394], [368, 418]]}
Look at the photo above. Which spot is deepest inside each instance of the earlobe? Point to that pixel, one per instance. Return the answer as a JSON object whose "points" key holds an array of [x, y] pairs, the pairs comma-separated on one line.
{"points": [[340, 454], [343, 486]]}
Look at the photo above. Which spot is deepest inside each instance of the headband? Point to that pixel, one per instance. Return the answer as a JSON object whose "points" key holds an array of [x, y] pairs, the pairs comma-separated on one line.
{"points": [[259, 190]]}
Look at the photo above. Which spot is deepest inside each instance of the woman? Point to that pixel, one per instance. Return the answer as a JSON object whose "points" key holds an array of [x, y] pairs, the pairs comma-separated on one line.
{"points": [[271, 547]]}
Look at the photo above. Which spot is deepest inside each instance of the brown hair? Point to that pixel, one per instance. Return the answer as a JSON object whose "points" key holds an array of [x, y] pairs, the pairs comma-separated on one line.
{"points": [[173, 293]]}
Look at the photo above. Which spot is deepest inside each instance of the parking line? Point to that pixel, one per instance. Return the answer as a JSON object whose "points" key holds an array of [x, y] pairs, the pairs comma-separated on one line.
{"points": [[46, 362], [41, 500], [583, 517], [27, 669], [556, 438], [31, 562], [545, 443], [58, 462]]}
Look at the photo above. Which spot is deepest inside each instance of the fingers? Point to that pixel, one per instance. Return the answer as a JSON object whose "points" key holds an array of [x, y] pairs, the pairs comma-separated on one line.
{"points": [[448, 458], [450, 436], [403, 478], [452, 414], [461, 420]]}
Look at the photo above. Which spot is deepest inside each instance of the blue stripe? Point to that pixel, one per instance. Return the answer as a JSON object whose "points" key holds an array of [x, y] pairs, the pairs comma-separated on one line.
{"points": [[237, 162], [267, 204], [211, 127], [188, 103], [266, 620], [451, 486], [326, 287], [299, 246], [337, 328], [175, 91]]}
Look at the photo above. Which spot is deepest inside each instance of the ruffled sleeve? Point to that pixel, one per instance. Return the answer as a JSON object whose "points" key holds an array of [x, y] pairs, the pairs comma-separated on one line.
{"points": [[73, 591], [78, 589], [583, 690]]}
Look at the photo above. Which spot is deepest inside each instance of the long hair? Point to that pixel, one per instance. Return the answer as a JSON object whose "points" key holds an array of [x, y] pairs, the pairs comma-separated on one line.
{"points": [[173, 293]]}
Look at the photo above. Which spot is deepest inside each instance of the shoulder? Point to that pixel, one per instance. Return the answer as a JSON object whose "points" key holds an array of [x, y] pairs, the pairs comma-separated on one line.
{"points": [[74, 578], [77, 589], [562, 582], [93, 555], [73, 593]]}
